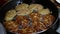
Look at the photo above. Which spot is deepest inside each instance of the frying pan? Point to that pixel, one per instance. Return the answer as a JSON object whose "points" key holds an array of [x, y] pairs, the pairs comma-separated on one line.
{"points": [[45, 3]]}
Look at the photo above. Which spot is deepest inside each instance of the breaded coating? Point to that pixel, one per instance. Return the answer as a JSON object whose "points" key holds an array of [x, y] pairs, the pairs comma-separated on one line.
{"points": [[35, 7], [10, 15], [44, 11]]}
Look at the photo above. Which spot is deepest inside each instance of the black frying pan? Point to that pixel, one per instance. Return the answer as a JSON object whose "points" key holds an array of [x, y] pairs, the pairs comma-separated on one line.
{"points": [[45, 3]]}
